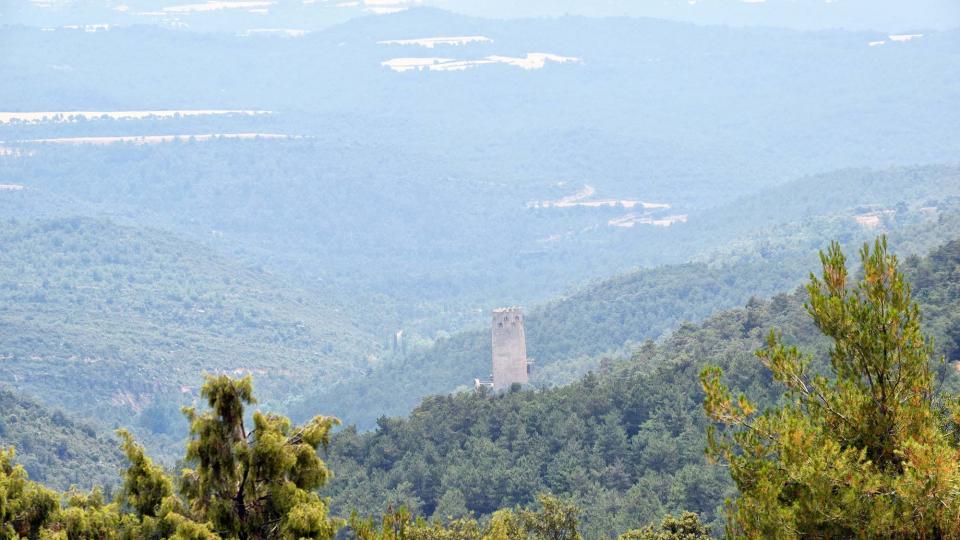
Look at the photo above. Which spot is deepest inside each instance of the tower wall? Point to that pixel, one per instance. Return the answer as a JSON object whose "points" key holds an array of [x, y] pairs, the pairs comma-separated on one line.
{"points": [[509, 348]]}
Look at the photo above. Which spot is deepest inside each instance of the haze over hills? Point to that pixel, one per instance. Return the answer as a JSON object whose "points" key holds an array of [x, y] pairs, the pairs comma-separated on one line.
{"points": [[568, 337], [289, 18], [420, 202], [429, 191], [330, 198]]}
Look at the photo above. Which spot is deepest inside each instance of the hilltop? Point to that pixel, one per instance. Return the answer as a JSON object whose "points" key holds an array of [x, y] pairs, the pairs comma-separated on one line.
{"points": [[104, 320], [568, 335], [625, 442]]}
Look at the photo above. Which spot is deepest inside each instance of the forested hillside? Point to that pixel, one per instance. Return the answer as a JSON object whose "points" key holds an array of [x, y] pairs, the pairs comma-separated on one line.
{"points": [[55, 449], [617, 449], [566, 337], [626, 443], [424, 198], [115, 322], [325, 200]]}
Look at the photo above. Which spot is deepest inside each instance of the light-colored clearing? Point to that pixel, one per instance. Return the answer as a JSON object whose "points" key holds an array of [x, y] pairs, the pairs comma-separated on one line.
{"points": [[87, 27], [249, 371], [217, 6], [434, 41], [580, 199], [905, 37], [630, 220], [16, 152], [407, 64], [11, 187], [73, 116], [155, 139], [569, 199], [871, 220], [531, 61]]}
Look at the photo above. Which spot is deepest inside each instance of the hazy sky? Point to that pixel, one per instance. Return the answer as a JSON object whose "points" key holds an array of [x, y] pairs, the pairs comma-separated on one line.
{"points": [[807, 14]]}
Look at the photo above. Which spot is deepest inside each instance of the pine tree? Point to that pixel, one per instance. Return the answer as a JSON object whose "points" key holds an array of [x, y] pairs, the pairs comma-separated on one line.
{"points": [[25, 507], [260, 483], [861, 454], [685, 527]]}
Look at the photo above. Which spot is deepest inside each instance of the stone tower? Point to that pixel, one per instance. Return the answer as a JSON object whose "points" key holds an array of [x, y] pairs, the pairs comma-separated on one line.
{"points": [[509, 348]]}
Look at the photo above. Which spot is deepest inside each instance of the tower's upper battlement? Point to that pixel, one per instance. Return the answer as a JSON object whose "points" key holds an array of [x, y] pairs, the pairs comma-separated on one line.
{"points": [[509, 348], [507, 320]]}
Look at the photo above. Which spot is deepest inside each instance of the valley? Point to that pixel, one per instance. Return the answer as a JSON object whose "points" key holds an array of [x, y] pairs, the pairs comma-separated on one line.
{"points": [[219, 220]]}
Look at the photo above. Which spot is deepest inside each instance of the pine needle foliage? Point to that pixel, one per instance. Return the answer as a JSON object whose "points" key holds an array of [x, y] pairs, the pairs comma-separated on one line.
{"points": [[860, 454], [686, 526], [555, 519], [247, 485], [259, 483]]}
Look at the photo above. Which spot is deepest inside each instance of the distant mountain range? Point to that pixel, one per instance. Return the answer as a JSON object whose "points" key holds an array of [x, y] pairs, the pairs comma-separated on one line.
{"points": [[301, 197], [254, 15]]}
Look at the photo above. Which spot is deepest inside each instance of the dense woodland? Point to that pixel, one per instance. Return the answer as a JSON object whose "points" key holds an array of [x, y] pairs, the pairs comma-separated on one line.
{"points": [[654, 203], [134, 313], [621, 447], [94, 297], [431, 247], [570, 336], [625, 441], [54, 447]]}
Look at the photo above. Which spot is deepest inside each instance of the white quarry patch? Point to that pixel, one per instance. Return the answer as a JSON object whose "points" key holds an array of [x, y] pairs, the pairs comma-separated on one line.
{"points": [[86, 27], [408, 64], [11, 187], [904, 37], [16, 152], [213, 5], [871, 220], [580, 199], [630, 220], [434, 41], [73, 116], [531, 61], [155, 139]]}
